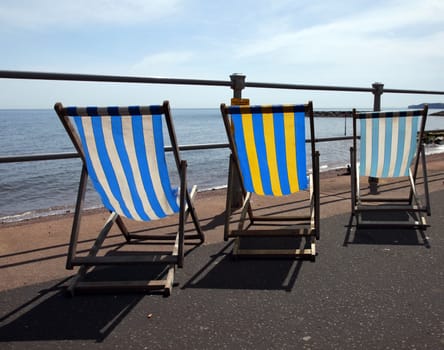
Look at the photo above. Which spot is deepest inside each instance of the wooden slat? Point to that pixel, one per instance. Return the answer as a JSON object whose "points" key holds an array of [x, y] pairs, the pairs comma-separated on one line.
{"points": [[385, 208], [391, 224], [285, 232], [273, 252], [121, 285], [282, 218], [125, 260], [401, 200], [160, 237]]}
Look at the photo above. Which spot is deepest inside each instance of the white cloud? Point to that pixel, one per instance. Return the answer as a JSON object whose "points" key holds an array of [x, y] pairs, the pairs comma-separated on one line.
{"points": [[33, 14], [367, 44]]}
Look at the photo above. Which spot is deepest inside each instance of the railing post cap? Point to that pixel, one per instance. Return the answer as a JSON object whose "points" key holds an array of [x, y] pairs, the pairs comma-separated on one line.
{"points": [[378, 88], [238, 80], [237, 83]]}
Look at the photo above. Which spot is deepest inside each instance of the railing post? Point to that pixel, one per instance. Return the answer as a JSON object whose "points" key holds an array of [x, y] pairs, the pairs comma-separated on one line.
{"points": [[237, 84], [378, 90]]}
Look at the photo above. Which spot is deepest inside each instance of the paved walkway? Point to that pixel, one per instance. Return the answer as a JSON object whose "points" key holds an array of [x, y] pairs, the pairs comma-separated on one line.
{"points": [[367, 289]]}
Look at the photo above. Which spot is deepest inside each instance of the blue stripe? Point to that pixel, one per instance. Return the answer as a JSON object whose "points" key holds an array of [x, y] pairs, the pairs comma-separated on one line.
{"points": [[72, 111], [234, 110], [362, 155], [161, 161], [300, 149], [388, 147], [156, 110], [91, 172], [92, 111], [139, 144], [259, 140], [299, 109], [242, 151], [375, 146], [116, 126], [281, 153], [107, 165], [255, 109], [400, 152], [134, 110], [113, 110], [413, 141]]}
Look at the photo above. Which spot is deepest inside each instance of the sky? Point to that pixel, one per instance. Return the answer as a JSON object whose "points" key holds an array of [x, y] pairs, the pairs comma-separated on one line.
{"points": [[316, 42]]}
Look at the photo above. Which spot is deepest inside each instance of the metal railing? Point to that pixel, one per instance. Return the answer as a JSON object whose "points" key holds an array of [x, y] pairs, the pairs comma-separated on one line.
{"points": [[237, 83]]}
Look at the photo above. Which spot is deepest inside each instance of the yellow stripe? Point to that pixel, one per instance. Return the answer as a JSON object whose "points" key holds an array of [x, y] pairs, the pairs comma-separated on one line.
{"points": [[247, 123], [270, 146], [290, 146]]}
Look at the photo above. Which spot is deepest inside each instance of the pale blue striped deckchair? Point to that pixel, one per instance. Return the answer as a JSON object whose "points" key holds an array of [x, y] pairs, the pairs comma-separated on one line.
{"points": [[268, 156], [389, 147], [123, 153]]}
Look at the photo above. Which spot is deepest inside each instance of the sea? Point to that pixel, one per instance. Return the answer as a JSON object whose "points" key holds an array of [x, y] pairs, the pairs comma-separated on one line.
{"points": [[42, 188]]}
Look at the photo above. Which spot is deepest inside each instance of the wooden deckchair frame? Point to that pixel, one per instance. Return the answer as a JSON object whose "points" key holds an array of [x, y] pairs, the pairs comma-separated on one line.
{"points": [[173, 258], [307, 226], [410, 204]]}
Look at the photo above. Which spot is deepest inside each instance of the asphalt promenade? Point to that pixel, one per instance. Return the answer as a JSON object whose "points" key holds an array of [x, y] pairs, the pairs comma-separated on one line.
{"points": [[367, 289]]}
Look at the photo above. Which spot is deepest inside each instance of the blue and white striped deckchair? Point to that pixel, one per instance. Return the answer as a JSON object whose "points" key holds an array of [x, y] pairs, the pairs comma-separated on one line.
{"points": [[122, 149], [268, 151], [389, 147]]}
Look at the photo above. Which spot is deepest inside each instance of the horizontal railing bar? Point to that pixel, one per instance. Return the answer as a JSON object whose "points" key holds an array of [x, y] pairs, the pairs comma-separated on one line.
{"points": [[306, 87], [108, 78], [198, 147], [35, 157], [56, 156], [327, 139], [337, 88], [179, 81], [402, 91]]}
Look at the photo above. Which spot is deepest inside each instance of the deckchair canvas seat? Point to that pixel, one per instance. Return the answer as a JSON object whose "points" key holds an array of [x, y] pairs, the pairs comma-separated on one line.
{"points": [[123, 154], [390, 149], [268, 160]]}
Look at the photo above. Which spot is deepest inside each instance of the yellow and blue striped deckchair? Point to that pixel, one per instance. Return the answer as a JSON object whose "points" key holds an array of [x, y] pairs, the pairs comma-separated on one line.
{"points": [[389, 147], [270, 145], [123, 153], [268, 152]]}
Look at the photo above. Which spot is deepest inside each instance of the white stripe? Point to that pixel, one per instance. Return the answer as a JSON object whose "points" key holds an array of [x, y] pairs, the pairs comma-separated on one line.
{"points": [[118, 168], [368, 146], [395, 131], [153, 166], [407, 149], [381, 146], [95, 160], [127, 123]]}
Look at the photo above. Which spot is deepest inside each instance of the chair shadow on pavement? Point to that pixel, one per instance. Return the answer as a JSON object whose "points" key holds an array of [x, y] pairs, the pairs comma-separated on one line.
{"points": [[384, 236], [223, 271], [52, 315]]}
